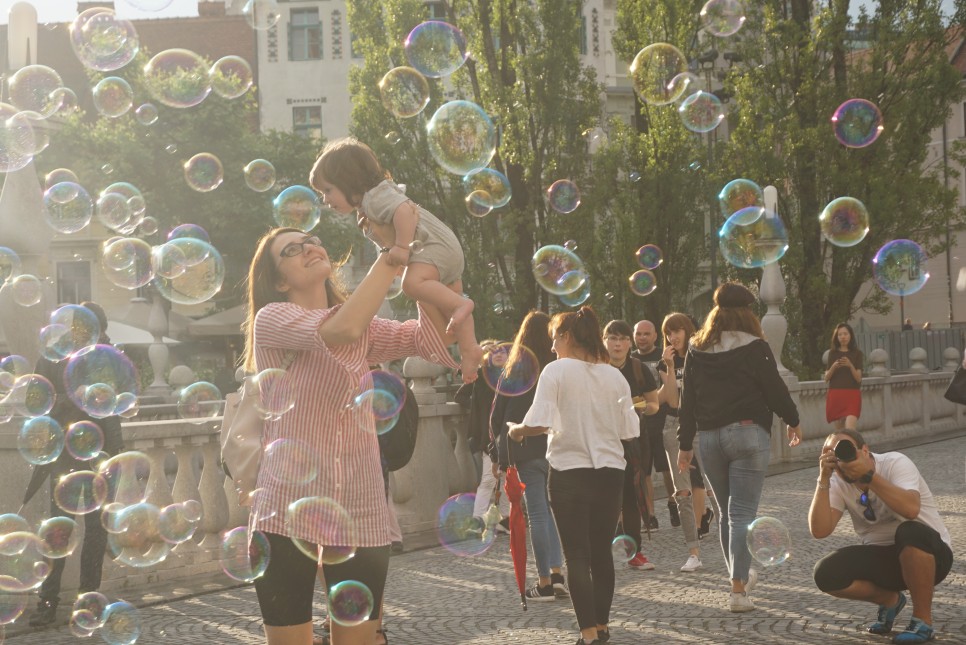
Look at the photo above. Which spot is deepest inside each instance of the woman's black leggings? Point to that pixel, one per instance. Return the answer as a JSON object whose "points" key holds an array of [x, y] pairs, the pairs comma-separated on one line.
{"points": [[586, 503]]}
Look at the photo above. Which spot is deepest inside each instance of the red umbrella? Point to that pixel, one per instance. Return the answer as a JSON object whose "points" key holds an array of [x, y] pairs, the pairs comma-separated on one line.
{"points": [[518, 530]]}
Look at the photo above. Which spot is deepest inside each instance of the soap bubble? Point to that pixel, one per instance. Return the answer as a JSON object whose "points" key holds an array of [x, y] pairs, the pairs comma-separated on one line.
{"points": [[477, 203], [459, 532], [55, 343], [519, 378], [577, 297], [404, 91], [146, 114], [99, 365], [769, 541], [33, 88], [436, 48], [102, 41], [68, 208], [899, 267], [148, 226], [723, 18], [684, 85], [653, 70], [22, 564], [701, 112], [392, 137], [127, 262], [127, 476], [174, 526], [203, 275], [12, 607], [857, 123], [752, 238], [27, 290], [40, 440], [230, 76], [80, 492], [168, 261], [491, 182], [67, 99], [261, 14], [189, 230], [204, 172], [738, 194], [10, 522], [199, 402], [558, 270], [32, 395], [127, 405], [650, 256], [114, 211], [564, 196], [643, 282], [59, 535], [289, 461], [99, 400], [107, 169], [461, 137], [84, 440], [297, 207], [259, 175], [350, 603], [275, 390], [82, 325], [177, 78], [244, 558], [17, 139], [9, 264], [11, 368], [58, 175], [171, 148], [93, 605], [382, 393], [309, 514], [150, 5], [624, 548], [136, 539], [113, 96], [844, 221], [122, 624]]}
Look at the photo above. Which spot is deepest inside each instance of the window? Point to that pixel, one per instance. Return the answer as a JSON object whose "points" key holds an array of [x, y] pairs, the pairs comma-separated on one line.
{"points": [[307, 121], [304, 35], [73, 282], [583, 35]]}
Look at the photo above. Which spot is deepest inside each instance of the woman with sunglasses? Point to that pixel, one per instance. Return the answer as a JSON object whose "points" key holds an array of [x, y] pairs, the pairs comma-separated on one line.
{"points": [[298, 316]]}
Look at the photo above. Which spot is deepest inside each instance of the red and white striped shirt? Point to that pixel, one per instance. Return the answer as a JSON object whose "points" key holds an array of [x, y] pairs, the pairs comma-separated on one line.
{"points": [[341, 441]]}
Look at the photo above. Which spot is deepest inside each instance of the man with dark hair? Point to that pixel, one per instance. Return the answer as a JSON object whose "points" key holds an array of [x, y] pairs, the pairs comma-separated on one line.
{"points": [[65, 412], [904, 542]]}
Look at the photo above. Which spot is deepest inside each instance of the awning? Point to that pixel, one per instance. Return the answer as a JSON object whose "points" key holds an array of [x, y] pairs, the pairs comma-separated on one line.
{"points": [[123, 334], [223, 323]]}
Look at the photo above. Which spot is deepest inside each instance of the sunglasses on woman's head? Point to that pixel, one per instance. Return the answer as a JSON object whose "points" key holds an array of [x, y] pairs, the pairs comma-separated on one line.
{"points": [[297, 248], [868, 513]]}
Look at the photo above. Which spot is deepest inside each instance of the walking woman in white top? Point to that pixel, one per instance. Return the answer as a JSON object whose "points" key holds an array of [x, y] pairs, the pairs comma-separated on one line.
{"points": [[585, 407]]}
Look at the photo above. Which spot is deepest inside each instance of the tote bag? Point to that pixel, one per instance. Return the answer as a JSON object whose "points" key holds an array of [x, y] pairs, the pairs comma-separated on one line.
{"points": [[956, 392]]}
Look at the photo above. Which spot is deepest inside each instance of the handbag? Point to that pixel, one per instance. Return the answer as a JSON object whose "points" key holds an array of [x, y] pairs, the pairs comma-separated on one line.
{"points": [[399, 442], [956, 391], [241, 436]]}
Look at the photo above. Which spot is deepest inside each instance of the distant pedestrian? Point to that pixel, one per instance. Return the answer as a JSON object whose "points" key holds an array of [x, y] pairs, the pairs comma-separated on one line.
{"points": [[907, 324], [843, 402]]}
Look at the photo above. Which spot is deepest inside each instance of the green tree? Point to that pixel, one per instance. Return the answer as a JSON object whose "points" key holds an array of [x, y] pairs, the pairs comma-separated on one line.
{"points": [[801, 61], [525, 72], [103, 150]]}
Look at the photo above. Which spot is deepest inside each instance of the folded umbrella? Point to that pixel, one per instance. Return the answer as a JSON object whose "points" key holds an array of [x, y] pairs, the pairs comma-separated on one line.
{"points": [[518, 530]]}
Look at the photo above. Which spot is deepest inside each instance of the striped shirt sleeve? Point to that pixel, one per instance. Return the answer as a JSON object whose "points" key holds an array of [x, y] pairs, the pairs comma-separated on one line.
{"points": [[391, 339]]}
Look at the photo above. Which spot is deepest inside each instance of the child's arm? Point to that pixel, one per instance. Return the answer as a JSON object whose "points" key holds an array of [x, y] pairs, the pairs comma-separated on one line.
{"points": [[404, 220]]}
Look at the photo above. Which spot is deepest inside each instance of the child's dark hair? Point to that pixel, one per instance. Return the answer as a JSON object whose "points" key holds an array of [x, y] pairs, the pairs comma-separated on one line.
{"points": [[584, 327], [349, 165]]}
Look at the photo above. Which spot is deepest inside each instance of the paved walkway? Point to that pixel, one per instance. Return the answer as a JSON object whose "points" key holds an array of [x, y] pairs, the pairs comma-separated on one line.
{"points": [[435, 597]]}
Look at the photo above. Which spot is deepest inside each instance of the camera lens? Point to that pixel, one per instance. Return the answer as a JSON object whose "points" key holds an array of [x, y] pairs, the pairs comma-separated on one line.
{"points": [[845, 450]]}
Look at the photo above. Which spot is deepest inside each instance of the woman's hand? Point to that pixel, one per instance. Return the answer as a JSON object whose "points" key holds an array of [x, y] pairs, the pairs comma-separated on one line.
{"points": [[515, 431], [845, 362], [794, 436], [684, 460]]}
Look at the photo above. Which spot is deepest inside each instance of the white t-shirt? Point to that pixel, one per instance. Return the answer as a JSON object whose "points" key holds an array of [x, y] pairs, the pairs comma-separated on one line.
{"points": [[900, 471], [588, 409]]}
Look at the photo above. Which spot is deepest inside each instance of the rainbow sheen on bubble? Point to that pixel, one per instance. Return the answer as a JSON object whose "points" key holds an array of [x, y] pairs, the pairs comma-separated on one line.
{"points": [[458, 531], [80, 492], [204, 172], [203, 275], [701, 112], [102, 41], [478, 203], [275, 392], [350, 603], [383, 393], [174, 524], [289, 461], [259, 175], [297, 207], [55, 343], [32, 395], [114, 211], [84, 440], [68, 207], [404, 92], [510, 379], [244, 557], [768, 541], [33, 88], [177, 78], [491, 182], [22, 564], [738, 194], [899, 267], [17, 139], [558, 270], [99, 400], [578, 297], [136, 539], [82, 326], [113, 96], [58, 175], [230, 77], [127, 476], [146, 114], [844, 221], [857, 123], [623, 548], [309, 514], [653, 71], [99, 365], [60, 536], [752, 238], [723, 18], [461, 137], [199, 402], [93, 605], [563, 196], [168, 261], [435, 48], [40, 440], [642, 283], [650, 256], [261, 14], [127, 262], [11, 368], [28, 290], [122, 624], [189, 230]]}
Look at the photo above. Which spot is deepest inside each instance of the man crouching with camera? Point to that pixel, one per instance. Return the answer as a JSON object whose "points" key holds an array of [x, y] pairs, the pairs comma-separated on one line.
{"points": [[904, 543]]}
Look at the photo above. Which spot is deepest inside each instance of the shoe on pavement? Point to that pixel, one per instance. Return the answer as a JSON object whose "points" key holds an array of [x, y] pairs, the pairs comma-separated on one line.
{"points": [[559, 585], [693, 564], [887, 617], [652, 524], [396, 547], [503, 526], [641, 562], [706, 520], [46, 614], [740, 603], [751, 581], [916, 632], [672, 509], [540, 594], [603, 636], [580, 641]]}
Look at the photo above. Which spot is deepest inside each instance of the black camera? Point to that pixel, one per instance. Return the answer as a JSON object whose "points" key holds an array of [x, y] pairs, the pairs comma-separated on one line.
{"points": [[845, 450]]}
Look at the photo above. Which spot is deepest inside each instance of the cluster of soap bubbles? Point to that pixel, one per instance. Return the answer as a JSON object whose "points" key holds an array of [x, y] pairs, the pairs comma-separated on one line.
{"points": [[119, 623], [752, 236], [768, 541], [485, 189], [459, 532]]}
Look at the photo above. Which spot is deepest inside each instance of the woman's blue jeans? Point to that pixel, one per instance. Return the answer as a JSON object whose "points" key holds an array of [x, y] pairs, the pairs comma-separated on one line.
{"points": [[543, 529], [734, 459]]}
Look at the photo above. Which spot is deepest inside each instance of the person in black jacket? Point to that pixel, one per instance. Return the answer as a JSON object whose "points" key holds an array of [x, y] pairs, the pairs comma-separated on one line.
{"points": [[731, 389]]}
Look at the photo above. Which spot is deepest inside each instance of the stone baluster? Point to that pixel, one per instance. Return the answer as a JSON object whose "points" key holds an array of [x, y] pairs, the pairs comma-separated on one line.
{"points": [[951, 359], [772, 293], [158, 492], [880, 362], [158, 351], [917, 361], [213, 499], [185, 481]]}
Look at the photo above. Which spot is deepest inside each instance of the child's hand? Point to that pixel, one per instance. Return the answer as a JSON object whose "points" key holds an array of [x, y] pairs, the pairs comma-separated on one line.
{"points": [[398, 256]]}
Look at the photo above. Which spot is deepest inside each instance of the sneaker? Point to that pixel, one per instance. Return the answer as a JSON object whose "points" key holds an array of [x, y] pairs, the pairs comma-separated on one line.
{"points": [[672, 509], [603, 636], [540, 594], [706, 520], [641, 562], [503, 526], [693, 564], [580, 641], [916, 632], [887, 617], [46, 614], [751, 581], [559, 585], [740, 603], [652, 524]]}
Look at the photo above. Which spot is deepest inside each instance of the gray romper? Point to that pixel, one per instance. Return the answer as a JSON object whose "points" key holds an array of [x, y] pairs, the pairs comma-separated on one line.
{"points": [[439, 244]]}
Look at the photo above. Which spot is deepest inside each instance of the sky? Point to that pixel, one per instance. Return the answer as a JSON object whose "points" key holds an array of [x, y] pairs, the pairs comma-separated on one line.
{"points": [[66, 10]]}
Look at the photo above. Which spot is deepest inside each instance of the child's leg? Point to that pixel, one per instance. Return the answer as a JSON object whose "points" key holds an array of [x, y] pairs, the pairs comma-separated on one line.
{"points": [[422, 283]]}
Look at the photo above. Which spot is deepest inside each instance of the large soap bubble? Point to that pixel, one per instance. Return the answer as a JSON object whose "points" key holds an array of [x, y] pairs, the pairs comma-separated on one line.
{"points": [[244, 556], [17, 139], [261, 14], [350, 603], [558, 270], [41, 440], [701, 112], [768, 541], [723, 18], [259, 175], [204, 172], [127, 262], [563, 196], [436, 48], [738, 194], [199, 402], [230, 76], [96, 365], [404, 91], [844, 221], [80, 324], [33, 88], [203, 275], [752, 238], [135, 538], [113, 96], [461, 137], [32, 395], [899, 267], [122, 624], [22, 564], [459, 531], [178, 78], [492, 183], [857, 123], [297, 207], [102, 41], [68, 207], [653, 71]]}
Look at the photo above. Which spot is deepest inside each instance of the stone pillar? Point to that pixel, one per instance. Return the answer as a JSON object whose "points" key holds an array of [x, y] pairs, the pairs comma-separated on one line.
{"points": [[772, 293], [917, 361], [951, 360], [158, 351], [880, 362]]}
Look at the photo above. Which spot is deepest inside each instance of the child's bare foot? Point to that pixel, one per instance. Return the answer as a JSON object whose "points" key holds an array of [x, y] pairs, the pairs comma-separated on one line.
{"points": [[460, 315], [470, 361]]}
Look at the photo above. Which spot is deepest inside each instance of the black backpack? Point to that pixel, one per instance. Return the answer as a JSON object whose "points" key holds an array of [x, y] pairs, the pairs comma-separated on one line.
{"points": [[398, 444]]}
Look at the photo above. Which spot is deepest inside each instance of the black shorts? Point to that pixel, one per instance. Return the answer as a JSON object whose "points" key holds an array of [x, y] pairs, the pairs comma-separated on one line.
{"points": [[880, 564], [658, 456], [286, 590]]}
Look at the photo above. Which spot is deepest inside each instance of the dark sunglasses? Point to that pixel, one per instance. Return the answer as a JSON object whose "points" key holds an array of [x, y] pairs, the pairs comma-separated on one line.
{"points": [[868, 513], [296, 248]]}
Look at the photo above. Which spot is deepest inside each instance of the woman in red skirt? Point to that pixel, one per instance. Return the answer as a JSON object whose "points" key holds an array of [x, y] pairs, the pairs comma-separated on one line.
{"points": [[843, 405]]}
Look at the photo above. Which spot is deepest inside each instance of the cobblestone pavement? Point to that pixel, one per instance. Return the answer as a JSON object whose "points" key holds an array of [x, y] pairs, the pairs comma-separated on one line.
{"points": [[435, 597]]}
